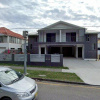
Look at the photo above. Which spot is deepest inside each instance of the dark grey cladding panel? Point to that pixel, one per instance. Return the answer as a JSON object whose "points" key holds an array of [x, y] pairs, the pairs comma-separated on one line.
{"points": [[89, 52], [35, 48]]}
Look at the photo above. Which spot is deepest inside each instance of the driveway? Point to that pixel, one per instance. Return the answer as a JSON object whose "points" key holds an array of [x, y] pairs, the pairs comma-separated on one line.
{"points": [[88, 71]]}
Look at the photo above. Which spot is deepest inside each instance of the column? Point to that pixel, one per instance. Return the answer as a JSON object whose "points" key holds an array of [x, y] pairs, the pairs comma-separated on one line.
{"points": [[39, 50], [77, 37], [60, 35], [83, 52], [45, 49], [76, 52]]}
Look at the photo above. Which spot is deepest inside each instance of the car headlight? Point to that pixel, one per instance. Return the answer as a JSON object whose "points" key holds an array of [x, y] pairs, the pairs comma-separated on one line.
{"points": [[23, 94]]}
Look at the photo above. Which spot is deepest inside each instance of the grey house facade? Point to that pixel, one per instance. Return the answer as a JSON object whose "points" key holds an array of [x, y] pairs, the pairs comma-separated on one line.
{"points": [[64, 38]]}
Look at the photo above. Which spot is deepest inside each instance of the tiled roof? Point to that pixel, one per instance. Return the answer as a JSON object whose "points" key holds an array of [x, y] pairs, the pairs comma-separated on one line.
{"points": [[8, 32]]}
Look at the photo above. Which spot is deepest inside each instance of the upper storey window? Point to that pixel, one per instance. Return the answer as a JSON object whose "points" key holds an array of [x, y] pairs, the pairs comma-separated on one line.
{"points": [[51, 37], [87, 38], [71, 37], [1, 39]]}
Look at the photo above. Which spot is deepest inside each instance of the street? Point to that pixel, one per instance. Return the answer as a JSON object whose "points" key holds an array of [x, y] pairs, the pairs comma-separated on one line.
{"points": [[60, 91]]}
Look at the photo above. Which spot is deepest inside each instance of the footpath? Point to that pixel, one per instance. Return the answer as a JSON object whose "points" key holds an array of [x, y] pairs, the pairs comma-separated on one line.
{"points": [[42, 69]]}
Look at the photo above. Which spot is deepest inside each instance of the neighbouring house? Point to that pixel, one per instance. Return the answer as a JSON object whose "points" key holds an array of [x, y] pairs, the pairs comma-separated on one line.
{"points": [[10, 42], [64, 38]]}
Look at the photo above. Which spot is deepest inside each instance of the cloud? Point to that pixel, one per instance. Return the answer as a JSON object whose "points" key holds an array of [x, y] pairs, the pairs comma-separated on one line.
{"points": [[55, 14], [6, 2], [39, 13]]}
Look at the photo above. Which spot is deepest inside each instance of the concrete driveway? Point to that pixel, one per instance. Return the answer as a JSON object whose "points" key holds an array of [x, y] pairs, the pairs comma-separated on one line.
{"points": [[88, 71]]}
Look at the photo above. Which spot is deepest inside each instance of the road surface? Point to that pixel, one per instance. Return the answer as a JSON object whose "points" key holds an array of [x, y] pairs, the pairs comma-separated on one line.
{"points": [[59, 91]]}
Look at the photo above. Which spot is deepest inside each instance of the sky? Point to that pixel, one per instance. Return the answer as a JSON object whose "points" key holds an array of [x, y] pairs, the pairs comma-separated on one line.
{"points": [[20, 15]]}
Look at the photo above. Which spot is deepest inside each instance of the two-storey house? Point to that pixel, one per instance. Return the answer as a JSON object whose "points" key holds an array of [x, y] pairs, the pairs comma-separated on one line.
{"points": [[64, 38], [10, 40]]}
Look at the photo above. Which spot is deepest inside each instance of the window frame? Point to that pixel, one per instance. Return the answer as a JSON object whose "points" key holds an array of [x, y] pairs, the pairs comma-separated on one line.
{"points": [[50, 37], [87, 37]]}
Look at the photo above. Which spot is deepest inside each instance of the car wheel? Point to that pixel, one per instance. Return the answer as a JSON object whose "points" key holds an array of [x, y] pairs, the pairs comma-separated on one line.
{"points": [[6, 99]]}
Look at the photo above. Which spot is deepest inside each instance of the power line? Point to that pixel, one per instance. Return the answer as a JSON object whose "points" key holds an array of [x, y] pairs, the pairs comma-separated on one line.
{"points": [[42, 27], [24, 28], [91, 26]]}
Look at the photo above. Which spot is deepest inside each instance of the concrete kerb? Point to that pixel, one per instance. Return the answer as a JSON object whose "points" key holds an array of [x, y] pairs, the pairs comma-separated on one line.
{"points": [[74, 83]]}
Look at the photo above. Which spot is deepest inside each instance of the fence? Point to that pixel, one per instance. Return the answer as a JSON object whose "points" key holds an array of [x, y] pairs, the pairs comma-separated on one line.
{"points": [[33, 59]]}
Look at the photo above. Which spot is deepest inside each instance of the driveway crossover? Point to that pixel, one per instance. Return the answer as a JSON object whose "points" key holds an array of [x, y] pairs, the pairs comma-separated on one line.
{"points": [[88, 71]]}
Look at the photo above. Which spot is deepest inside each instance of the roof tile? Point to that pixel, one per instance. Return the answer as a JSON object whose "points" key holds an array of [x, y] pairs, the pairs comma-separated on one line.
{"points": [[8, 32]]}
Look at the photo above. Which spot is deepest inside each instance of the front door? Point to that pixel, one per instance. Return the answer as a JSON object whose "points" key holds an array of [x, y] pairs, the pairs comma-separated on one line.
{"points": [[80, 52], [42, 50]]}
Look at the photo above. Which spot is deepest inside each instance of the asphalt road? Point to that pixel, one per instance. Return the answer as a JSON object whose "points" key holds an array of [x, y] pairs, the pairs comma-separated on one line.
{"points": [[58, 91]]}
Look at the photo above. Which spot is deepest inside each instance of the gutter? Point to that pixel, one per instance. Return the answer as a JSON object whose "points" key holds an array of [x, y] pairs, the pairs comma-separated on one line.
{"points": [[74, 83]]}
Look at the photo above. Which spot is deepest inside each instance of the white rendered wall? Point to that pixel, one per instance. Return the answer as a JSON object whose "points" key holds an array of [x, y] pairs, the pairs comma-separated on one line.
{"points": [[9, 46]]}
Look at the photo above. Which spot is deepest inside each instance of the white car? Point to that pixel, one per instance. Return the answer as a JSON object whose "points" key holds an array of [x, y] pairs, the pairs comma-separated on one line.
{"points": [[16, 86]]}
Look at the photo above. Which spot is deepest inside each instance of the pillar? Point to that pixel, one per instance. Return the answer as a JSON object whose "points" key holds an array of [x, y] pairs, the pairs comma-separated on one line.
{"points": [[76, 52], [60, 35]]}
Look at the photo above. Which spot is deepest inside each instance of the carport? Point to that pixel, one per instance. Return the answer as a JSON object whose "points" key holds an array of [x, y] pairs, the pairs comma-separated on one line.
{"points": [[72, 50], [67, 51]]}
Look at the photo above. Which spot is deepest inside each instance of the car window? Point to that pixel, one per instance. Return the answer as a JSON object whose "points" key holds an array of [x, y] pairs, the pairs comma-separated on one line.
{"points": [[9, 76]]}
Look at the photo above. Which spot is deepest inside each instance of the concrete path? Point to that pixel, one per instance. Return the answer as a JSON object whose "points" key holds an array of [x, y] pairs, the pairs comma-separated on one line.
{"points": [[88, 71], [37, 68]]}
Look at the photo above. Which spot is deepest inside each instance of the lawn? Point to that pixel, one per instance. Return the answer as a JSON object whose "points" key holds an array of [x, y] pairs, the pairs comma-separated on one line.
{"points": [[71, 77], [17, 65]]}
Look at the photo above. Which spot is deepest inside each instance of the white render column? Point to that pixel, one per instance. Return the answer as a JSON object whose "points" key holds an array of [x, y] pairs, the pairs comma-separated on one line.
{"points": [[76, 52], [77, 37], [60, 35], [83, 52], [39, 50], [45, 50]]}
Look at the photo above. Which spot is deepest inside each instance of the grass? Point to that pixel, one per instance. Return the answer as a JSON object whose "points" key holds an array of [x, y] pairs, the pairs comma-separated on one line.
{"points": [[17, 65], [71, 77]]}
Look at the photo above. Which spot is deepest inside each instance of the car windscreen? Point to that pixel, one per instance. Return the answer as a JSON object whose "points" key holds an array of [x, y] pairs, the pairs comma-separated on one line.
{"points": [[10, 76]]}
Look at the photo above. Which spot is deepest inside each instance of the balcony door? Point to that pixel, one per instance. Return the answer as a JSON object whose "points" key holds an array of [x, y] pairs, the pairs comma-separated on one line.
{"points": [[51, 37], [71, 37]]}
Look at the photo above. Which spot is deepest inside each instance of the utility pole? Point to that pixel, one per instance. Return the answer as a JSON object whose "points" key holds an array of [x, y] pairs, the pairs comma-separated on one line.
{"points": [[25, 34]]}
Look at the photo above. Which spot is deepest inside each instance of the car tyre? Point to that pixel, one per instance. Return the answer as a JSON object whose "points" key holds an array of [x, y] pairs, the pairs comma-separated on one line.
{"points": [[6, 99]]}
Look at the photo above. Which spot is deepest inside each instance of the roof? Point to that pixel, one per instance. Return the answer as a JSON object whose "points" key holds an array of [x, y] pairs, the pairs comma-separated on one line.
{"points": [[8, 32], [65, 25], [33, 34], [92, 32]]}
